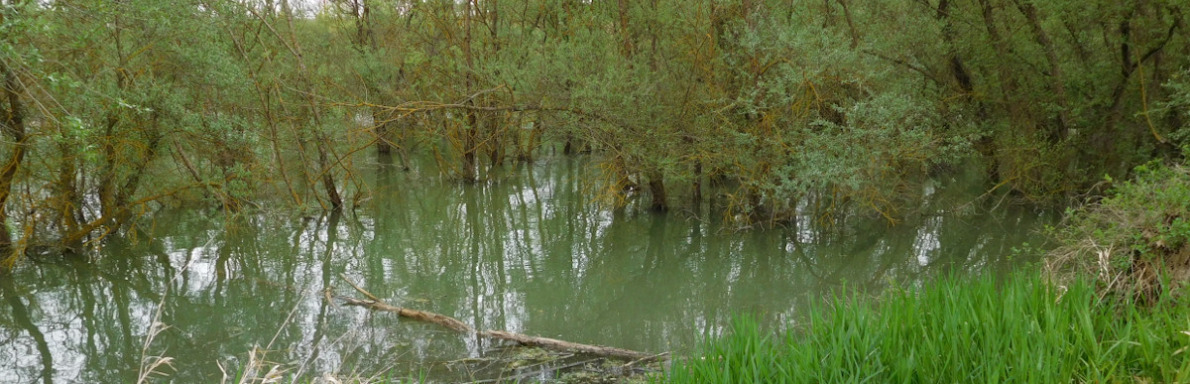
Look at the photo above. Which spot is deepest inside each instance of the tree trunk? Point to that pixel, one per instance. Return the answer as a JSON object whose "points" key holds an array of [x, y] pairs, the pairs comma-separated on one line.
{"points": [[1128, 65], [470, 173], [323, 144], [626, 48], [958, 70], [1057, 81], [66, 189], [14, 127], [657, 189], [852, 31], [1009, 85], [383, 143]]}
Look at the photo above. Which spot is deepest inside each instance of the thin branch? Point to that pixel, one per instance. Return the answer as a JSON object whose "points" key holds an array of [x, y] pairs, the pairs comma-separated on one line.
{"points": [[904, 63]]}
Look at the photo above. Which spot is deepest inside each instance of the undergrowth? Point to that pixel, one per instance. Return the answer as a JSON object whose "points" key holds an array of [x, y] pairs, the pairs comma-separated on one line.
{"points": [[1136, 241]]}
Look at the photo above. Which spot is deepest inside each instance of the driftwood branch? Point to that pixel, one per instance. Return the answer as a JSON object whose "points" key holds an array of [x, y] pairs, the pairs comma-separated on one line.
{"points": [[458, 326], [429, 317], [562, 345]]}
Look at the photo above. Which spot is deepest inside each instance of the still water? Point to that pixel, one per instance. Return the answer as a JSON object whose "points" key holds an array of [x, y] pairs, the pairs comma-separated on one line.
{"points": [[527, 252]]}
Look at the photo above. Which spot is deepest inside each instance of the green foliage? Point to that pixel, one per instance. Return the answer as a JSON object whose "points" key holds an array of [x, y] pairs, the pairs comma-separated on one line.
{"points": [[1018, 330], [845, 106], [1133, 238], [1177, 109]]}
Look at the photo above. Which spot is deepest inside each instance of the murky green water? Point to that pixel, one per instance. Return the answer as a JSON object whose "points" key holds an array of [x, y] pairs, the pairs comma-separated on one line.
{"points": [[529, 253]]}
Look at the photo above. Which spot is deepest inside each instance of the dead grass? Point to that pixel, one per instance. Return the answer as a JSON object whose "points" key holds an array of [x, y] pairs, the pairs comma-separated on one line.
{"points": [[1135, 242]]}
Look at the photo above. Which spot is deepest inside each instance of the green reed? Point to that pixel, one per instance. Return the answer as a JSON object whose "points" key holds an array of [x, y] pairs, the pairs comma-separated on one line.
{"points": [[1021, 329]]}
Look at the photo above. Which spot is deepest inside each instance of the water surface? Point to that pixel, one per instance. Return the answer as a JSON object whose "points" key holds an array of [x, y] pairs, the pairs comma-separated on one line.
{"points": [[528, 252]]}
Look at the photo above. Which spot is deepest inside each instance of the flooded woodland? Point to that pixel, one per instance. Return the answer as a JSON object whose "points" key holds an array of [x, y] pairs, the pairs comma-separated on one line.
{"points": [[190, 190], [528, 253]]}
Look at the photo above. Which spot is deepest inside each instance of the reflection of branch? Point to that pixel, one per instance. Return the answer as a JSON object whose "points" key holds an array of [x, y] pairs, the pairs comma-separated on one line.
{"points": [[22, 319], [801, 254], [150, 365]]}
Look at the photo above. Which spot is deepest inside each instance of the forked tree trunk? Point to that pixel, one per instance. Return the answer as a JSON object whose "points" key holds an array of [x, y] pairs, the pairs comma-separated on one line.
{"points": [[1057, 80]]}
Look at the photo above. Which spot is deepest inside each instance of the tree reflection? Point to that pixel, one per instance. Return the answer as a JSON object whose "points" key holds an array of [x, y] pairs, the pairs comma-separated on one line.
{"points": [[527, 253]]}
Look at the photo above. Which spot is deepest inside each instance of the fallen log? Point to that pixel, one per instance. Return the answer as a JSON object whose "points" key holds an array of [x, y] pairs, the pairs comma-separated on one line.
{"points": [[451, 323], [429, 317], [566, 346]]}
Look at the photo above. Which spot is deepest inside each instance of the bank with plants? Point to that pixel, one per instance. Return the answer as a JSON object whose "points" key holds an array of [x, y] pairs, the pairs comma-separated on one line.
{"points": [[1110, 306]]}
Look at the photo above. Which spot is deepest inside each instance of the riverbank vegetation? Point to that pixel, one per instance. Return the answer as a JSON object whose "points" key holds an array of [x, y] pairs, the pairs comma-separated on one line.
{"points": [[1111, 307], [1135, 243], [764, 108], [1022, 329]]}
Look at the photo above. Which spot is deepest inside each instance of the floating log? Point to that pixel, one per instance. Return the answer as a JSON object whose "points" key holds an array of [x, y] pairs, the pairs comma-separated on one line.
{"points": [[451, 323], [429, 317], [562, 345]]}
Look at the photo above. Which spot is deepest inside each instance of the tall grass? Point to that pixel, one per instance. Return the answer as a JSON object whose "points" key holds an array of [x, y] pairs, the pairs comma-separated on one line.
{"points": [[960, 331]]}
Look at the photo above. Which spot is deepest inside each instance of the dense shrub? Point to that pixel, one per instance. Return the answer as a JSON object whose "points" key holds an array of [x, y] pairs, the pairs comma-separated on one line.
{"points": [[1136, 241]]}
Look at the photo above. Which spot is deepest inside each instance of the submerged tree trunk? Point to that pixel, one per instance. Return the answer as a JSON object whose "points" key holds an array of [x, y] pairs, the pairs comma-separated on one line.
{"points": [[495, 147], [657, 189], [324, 143], [14, 128], [107, 177], [470, 173], [365, 42], [384, 142], [328, 177], [66, 190]]}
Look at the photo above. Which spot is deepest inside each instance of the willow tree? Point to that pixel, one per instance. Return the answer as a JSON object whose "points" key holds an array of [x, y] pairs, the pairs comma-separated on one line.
{"points": [[115, 108], [12, 23]]}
